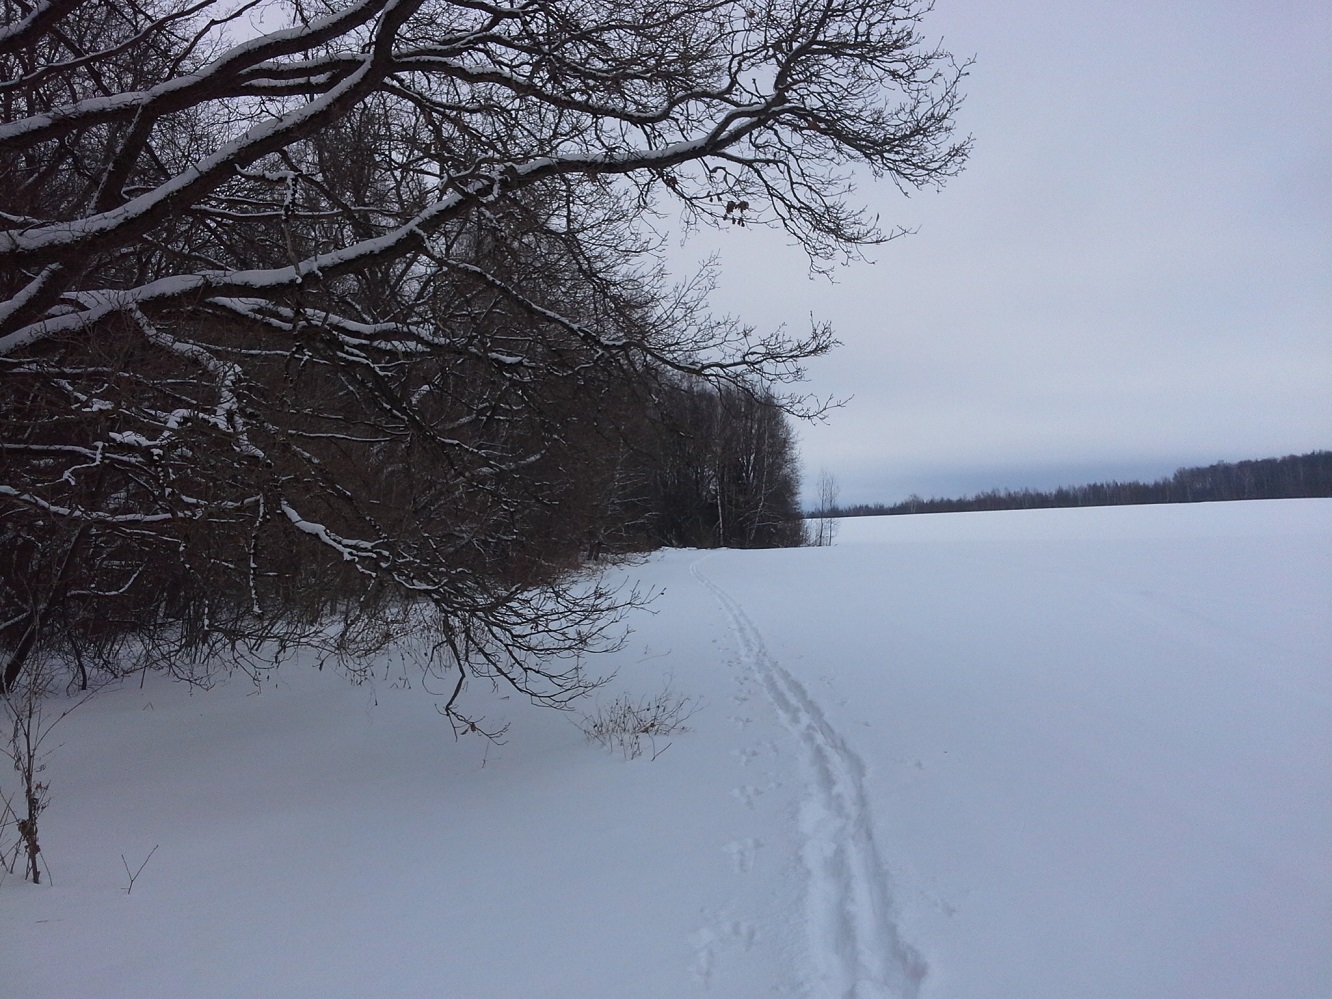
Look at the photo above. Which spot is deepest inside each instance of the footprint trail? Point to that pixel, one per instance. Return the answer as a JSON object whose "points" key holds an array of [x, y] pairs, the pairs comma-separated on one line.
{"points": [[856, 951]]}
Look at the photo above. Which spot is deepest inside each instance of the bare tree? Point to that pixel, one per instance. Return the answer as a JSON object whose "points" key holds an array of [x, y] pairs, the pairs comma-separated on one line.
{"points": [[825, 513], [721, 468], [314, 315]]}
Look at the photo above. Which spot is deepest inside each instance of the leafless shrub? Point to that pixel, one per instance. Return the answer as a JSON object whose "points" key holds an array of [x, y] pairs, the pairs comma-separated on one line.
{"points": [[633, 725], [26, 709]]}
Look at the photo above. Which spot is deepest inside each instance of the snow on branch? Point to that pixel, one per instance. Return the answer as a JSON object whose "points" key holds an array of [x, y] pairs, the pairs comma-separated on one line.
{"points": [[368, 306]]}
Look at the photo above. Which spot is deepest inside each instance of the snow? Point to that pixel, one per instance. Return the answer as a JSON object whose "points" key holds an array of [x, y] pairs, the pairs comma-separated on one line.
{"points": [[1037, 755]]}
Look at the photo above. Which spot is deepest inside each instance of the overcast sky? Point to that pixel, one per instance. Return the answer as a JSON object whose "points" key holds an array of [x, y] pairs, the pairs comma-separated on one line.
{"points": [[1134, 272]]}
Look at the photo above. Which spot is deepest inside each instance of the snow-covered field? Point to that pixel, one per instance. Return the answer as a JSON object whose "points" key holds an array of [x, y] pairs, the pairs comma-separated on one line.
{"points": [[1025, 755]]}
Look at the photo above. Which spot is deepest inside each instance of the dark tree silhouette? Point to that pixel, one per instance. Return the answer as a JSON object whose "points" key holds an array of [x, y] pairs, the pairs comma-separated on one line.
{"points": [[335, 315]]}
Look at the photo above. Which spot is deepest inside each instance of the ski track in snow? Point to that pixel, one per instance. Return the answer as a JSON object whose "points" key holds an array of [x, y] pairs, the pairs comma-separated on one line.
{"points": [[856, 951]]}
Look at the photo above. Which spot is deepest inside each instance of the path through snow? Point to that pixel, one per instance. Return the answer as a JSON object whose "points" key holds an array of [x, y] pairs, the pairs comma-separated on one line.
{"points": [[856, 951]]}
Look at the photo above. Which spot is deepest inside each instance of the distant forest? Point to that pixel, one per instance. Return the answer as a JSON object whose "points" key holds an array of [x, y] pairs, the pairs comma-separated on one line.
{"points": [[1296, 475]]}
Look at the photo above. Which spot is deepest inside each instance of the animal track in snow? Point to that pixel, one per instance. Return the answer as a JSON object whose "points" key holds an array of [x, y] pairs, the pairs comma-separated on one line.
{"points": [[855, 947], [748, 794], [744, 852], [708, 940], [747, 756]]}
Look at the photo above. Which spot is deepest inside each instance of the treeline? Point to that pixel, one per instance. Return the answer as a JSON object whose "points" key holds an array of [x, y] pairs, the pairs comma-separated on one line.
{"points": [[1304, 475], [724, 473], [182, 497]]}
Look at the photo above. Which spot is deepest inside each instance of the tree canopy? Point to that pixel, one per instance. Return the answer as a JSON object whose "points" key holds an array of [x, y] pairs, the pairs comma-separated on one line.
{"points": [[328, 308]]}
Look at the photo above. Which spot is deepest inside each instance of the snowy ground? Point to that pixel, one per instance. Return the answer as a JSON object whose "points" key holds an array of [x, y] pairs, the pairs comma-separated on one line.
{"points": [[1027, 755]]}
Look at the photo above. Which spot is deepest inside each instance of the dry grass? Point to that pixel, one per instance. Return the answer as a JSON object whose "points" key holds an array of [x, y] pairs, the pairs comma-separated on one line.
{"points": [[634, 726]]}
